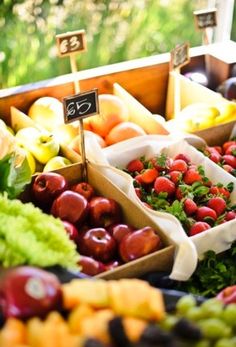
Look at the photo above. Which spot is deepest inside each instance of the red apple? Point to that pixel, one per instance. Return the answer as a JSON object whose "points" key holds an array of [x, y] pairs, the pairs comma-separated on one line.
{"points": [[98, 243], [118, 231], [104, 212], [139, 243], [70, 206], [90, 266], [84, 189], [47, 186], [71, 231], [28, 291]]}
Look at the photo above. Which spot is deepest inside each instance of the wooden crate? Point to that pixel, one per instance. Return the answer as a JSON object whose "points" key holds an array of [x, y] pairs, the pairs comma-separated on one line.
{"points": [[146, 79]]}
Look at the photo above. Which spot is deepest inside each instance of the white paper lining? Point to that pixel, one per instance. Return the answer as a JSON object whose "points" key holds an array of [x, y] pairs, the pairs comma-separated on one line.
{"points": [[188, 249]]}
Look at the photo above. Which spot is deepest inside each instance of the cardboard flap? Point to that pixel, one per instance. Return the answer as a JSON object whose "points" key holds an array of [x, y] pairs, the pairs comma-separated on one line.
{"points": [[190, 92]]}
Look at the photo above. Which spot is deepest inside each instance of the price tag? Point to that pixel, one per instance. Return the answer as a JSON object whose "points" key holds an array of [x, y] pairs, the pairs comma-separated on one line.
{"points": [[80, 106], [205, 18], [180, 56], [71, 42]]}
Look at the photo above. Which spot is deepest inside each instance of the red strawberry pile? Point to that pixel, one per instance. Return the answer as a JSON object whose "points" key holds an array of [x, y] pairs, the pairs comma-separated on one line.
{"points": [[181, 188], [224, 156]]}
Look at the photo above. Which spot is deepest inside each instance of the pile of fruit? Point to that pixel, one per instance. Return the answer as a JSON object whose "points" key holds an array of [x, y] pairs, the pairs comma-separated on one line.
{"points": [[42, 132], [88, 313], [199, 116], [181, 188], [94, 222], [224, 156]]}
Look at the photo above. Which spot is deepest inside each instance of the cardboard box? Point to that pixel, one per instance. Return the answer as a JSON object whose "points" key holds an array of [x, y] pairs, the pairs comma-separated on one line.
{"points": [[161, 260]]}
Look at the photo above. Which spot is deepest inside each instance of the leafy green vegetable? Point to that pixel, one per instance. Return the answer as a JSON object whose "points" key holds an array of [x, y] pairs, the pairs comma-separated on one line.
{"points": [[13, 177], [28, 236], [214, 272]]}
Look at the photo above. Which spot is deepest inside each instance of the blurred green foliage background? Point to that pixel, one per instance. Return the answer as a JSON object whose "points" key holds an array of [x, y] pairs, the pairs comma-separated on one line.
{"points": [[117, 30]]}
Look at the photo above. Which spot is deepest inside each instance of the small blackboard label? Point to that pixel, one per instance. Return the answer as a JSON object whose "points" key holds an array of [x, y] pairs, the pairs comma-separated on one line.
{"points": [[80, 106], [180, 56], [205, 18], [71, 42]]}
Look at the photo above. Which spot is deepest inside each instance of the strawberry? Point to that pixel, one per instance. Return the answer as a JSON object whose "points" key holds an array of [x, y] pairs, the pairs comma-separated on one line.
{"points": [[164, 185], [175, 176], [138, 192], [135, 165], [190, 207], [214, 190], [231, 150], [230, 160], [216, 157], [191, 176], [147, 205], [212, 154], [218, 204], [179, 194], [227, 144], [184, 157], [218, 149], [205, 212], [198, 227], [179, 165], [227, 168], [149, 175], [161, 162], [138, 179], [224, 192], [230, 215]]}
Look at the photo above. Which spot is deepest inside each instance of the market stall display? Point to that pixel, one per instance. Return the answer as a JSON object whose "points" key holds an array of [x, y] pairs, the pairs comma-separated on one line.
{"points": [[132, 98]]}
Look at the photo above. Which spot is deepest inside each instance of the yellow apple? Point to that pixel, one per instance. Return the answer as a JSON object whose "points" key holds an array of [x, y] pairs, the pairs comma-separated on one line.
{"points": [[65, 133], [47, 112]]}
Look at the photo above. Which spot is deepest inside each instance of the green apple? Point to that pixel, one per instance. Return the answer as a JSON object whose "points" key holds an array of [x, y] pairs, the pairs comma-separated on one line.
{"points": [[41, 144], [44, 147], [56, 163]]}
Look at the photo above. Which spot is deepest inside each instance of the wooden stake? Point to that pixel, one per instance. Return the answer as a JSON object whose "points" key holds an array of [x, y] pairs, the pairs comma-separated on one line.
{"points": [[74, 70]]}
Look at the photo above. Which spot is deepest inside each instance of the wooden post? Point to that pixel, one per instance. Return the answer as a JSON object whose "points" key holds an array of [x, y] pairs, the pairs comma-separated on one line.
{"points": [[70, 44]]}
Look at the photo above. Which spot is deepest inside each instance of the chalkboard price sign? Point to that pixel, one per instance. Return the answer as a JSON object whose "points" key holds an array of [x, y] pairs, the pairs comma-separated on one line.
{"points": [[80, 106], [205, 18], [71, 42], [180, 56]]}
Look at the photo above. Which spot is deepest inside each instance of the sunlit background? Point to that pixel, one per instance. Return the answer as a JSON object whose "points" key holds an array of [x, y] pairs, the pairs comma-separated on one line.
{"points": [[117, 30]]}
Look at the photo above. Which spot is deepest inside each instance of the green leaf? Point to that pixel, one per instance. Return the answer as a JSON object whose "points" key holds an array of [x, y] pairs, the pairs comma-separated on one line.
{"points": [[14, 178], [201, 170], [230, 186], [161, 160], [201, 190]]}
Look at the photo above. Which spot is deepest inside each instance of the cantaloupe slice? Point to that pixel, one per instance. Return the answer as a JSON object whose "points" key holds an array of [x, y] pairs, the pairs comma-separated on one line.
{"points": [[20, 120]]}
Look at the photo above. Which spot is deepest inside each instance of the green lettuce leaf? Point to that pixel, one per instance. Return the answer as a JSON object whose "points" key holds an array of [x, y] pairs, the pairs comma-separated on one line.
{"points": [[30, 237], [13, 177]]}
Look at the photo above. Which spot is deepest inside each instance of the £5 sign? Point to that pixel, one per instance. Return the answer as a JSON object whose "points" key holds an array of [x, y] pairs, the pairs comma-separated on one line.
{"points": [[81, 106]]}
